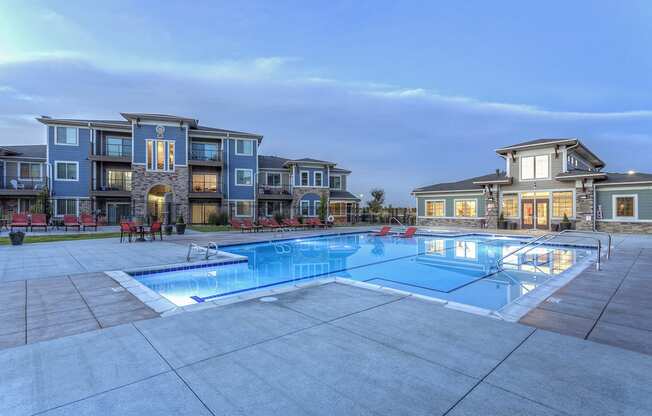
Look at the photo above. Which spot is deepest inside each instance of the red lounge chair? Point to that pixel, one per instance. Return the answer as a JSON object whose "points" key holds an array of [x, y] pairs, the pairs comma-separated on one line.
{"points": [[274, 223], [70, 221], [19, 220], [267, 223], [238, 225], [409, 233], [39, 220], [126, 229], [317, 223], [156, 228], [296, 224], [383, 232], [88, 221], [249, 224], [286, 223]]}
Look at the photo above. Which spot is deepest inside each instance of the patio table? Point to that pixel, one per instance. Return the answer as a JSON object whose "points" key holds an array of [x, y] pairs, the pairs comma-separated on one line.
{"points": [[140, 229]]}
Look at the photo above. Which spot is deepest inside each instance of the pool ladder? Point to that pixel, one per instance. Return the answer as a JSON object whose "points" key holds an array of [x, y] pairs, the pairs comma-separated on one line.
{"points": [[549, 236], [193, 247]]}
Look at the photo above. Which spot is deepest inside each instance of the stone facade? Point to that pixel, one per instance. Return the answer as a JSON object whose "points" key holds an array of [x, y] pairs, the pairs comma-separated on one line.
{"points": [[299, 192], [584, 208], [492, 204], [7, 206], [85, 206], [451, 222], [143, 181], [625, 227]]}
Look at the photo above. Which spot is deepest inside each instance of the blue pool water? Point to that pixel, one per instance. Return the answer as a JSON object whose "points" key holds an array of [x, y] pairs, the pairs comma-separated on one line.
{"points": [[460, 269]]}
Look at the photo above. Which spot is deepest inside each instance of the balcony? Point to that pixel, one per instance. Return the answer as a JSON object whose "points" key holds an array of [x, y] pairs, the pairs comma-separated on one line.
{"points": [[205, 157], [110, 152], [22, 186], [275, 192], [115, 187], [205, 186]]}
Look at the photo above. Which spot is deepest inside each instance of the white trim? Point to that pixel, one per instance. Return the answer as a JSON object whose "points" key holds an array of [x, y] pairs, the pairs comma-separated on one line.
{"points": [[425, 194], [425, 208], [465, 199], [614, 208], [280, 176], [19, 176], [301, 202], [518, 205], [534, 179], [251, 172], [314, 179], [166, 161], [56, 209], [56, 170], [56, 136], [339, 188], [615, 185], [252, 205], [244, 140], [624, 220], [301, 185]]}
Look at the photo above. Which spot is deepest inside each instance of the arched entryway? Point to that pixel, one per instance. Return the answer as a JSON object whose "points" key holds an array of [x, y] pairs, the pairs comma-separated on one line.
{"points": [[159, 201]]}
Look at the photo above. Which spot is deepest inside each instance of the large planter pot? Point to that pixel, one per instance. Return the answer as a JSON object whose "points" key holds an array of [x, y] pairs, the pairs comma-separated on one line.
{"points": [[181, 228], [502, 225], [168, 229], [16, 238], [564, 226]]}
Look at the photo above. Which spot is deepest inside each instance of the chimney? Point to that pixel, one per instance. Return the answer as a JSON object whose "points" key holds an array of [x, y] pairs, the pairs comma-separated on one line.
{"points": [[497, 172]]}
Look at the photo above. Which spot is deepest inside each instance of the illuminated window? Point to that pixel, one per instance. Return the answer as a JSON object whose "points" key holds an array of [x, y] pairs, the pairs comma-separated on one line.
{"points": [[562, 203], [243, 209], [437, 247], [150, 155], [510, 205], [318, 179], [159, 155], [625, 206], [435, 208], [535, 167], [466, 208]]}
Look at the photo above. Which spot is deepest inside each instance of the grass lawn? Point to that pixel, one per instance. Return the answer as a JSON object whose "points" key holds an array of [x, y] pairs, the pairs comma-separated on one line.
{"points": [[209, 228], [61, 237]]}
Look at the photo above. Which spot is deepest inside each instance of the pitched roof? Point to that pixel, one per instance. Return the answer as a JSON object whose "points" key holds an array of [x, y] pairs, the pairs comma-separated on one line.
{"points": [[616, 178], [575, 144], [32, 151], [580, 173], [271, 162], [470, 184], [343, 195], [310, 160], [339, 170], [538, 142]]}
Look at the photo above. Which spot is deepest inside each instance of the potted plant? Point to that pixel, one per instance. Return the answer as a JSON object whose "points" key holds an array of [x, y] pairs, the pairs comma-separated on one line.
{"points": [[168, 228], [181, 225], [565, 223], [16, 238]]}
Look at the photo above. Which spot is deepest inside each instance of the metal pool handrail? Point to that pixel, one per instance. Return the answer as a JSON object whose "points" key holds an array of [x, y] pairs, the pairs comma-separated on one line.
{"points": [[397, 221], [592, 232], [529, 243]]}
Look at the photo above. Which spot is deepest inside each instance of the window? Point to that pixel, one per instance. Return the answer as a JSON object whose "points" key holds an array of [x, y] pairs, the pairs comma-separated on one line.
{"points": [[243, 209], [317, 205], [204, 151], [26, 205], [30, 170], [159, 155], [243, 177], [336, 182], [202, 182], [66, 171], [509, 207], [305, 178], [66, 135], [435, 208], [274, 179], [305, 208], [466, 208], [200, 212], [437, 247], [244, 147], [318, 178], [119, 180], [66, 207], [535, 167], [562, 203], [118, 146], [272, 208], [625, 206]]}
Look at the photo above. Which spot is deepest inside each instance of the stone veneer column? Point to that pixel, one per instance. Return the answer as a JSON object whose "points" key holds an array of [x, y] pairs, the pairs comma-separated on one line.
{"points": [[584, 206], [142, 181], [491, 208], [299, 192]]}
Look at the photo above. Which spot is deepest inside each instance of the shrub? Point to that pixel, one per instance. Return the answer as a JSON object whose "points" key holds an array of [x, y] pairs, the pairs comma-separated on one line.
{"points": [[218, 218], [278, 217]]}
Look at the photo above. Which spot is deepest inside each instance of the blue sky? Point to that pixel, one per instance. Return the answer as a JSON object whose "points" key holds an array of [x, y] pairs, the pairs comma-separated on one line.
{"points": [[403, 93]]}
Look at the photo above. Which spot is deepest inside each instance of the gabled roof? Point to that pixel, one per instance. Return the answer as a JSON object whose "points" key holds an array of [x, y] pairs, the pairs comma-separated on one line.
{"points": [[309, 160], [36, 151], [624, 178], [471, 184], [573, 143], [271, 162], [343, 196], [191, 122], [339, 170]]}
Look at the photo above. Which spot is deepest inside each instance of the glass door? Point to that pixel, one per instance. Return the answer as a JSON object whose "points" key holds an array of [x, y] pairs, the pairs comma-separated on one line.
{"points": [[542, 214], [527, 209]]}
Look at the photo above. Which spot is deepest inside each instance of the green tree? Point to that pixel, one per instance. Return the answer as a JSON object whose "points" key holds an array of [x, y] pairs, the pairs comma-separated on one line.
{"points": [[323, 207], [43, 205], [377, 201]]}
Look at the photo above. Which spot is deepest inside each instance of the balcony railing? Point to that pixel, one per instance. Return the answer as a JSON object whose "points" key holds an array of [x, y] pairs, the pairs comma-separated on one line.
{"points": [[116, 184], [274, 190], [33, 183], [114, 150], [201, 184], [206, 155]]}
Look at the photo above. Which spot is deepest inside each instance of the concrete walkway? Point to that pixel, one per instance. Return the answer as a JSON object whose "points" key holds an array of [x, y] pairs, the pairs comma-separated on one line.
{"points": [[332, 349]]}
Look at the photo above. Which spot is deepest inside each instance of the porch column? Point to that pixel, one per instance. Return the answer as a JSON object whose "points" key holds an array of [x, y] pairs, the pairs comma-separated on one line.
{"points": [[584, 215]]}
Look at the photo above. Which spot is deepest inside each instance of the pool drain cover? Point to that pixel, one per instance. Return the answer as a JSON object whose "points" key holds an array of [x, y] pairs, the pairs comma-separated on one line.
{"points": [[268, 299]]}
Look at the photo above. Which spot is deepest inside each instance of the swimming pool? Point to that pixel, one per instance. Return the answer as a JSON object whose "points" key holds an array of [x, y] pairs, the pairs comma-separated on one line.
{"points": [[459, 269]]}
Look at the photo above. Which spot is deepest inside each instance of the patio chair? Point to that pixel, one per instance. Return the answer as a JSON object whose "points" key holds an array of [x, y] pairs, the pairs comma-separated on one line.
{"points": [[409, 233], [274, 223], [39, 220], [317, 223], [18, 220], [249, 224], [70, 221], [126, 229], [267, 223], [16, 185], [296, 224], [383, 231], [87, 221], [156, 228], [238, 225]]}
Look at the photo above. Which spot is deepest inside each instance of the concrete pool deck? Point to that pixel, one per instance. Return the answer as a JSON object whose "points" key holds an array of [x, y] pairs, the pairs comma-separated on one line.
{"points": [[330, 349]]}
